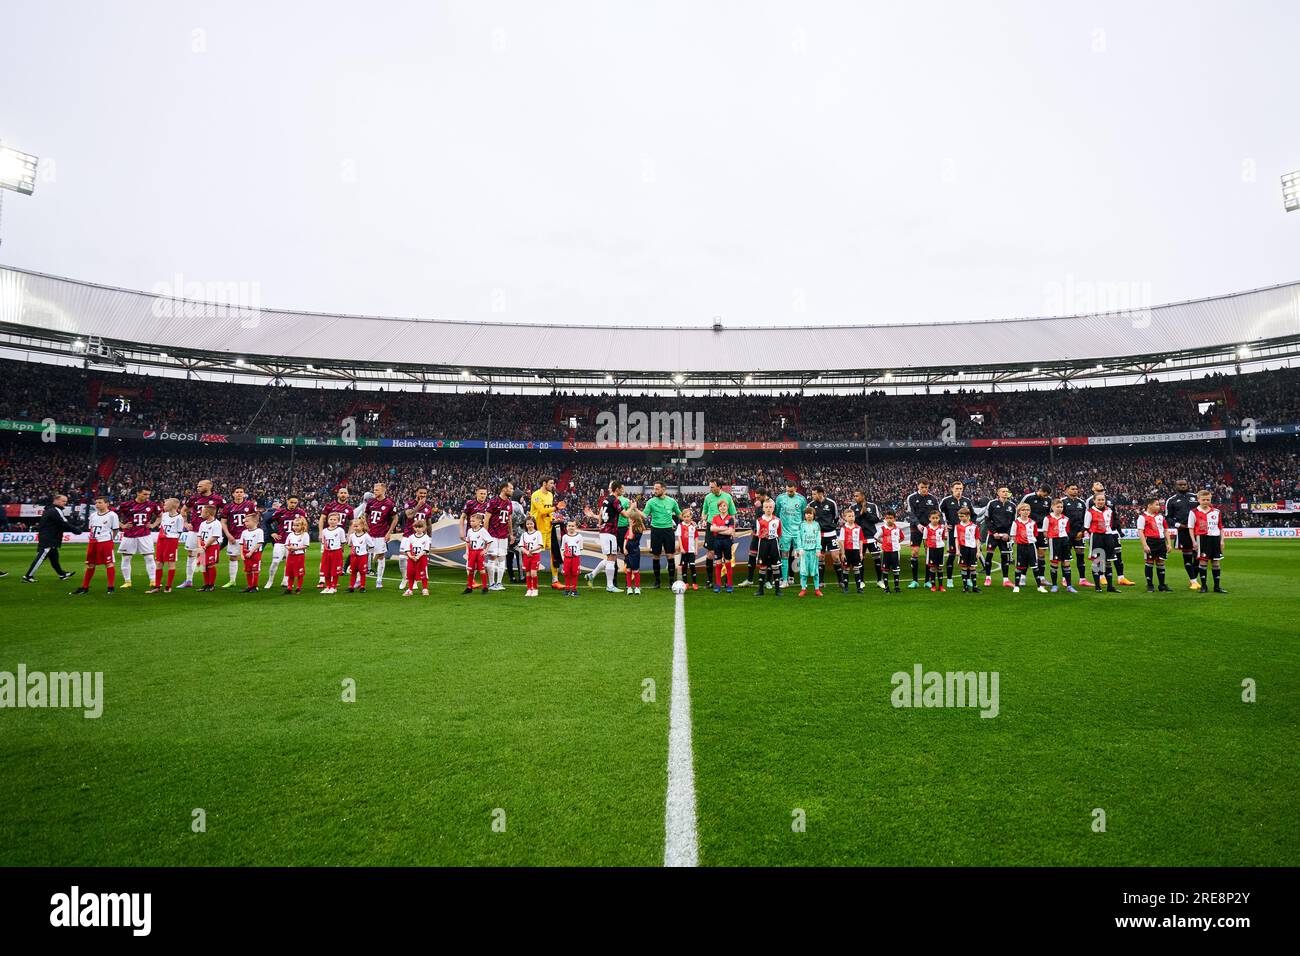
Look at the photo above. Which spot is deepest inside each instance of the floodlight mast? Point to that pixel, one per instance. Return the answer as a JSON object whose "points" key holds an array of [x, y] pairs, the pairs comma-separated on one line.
{"points": [[1291, 191], [17, 173]]}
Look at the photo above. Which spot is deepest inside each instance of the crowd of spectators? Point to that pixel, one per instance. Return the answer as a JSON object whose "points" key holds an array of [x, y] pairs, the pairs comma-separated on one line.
{"points": [[34, 392]]}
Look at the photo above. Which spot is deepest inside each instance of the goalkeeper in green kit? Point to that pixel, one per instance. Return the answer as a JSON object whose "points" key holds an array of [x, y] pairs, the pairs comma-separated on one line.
{"points": [[808, 549], [790, 509]]}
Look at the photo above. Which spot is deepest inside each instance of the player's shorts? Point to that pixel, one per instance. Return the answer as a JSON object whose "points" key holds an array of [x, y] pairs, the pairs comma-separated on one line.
{"points": [[1040, 540], [1115, 546], [663, 540], [969, 557], [233, 549], [191, 541], [1001, 544], [557, 557], [141, 545], [788, 543], [709, 541], [722, 545], [1211, 547], [475, 560], [99, 552], [830, 542], [1185, 542], [1101, 542], [688, 559], [1061, 549], [918, 537], [871, 545], [278, 551], [934, 557], [166, 548], [498, 547], [621, 537], [1026, 556], [1159, 547], [852, 558], [1077, 540], [609, 544], [890, 560], [531, 562], [769, 552]]}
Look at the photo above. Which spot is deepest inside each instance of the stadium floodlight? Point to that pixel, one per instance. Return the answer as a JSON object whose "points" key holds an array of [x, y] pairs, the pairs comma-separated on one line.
{"points": [[1291, 191], [239, 361], [679, 378], [17, 171]]}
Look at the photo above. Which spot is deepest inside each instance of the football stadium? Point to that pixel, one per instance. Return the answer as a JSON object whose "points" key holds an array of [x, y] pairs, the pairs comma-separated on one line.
{"points": [[596, 586]]}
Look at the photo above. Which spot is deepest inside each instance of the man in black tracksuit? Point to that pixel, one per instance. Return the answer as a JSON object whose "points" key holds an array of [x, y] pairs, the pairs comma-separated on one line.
{"points": [[49, 538], [950, 507], [1076, 510], [1178, 512]]}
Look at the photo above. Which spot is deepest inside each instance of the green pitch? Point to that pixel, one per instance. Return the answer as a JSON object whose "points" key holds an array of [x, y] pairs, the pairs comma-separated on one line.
{"points": [[498, 730]]}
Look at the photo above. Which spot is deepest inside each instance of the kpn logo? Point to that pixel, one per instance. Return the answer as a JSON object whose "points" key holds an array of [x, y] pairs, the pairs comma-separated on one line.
{"points": [[681, 431]]}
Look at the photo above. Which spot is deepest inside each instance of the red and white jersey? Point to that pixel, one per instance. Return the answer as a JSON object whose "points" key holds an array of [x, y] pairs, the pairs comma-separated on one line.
{"points": [[1024, 531], [1207, 523], [891, 539], [936, 536], [332, 539], [135, 517], [251, 540], [282, 522], [1056, 526], [297, 541], [769, 528], [530, 542], [195, 504], [172, 526], [500, 511], [359, 543], [571, 546], [1100, 520], [688, 538], [1152, 525], [477, 539], [416, 546], [379, 515], [967, 535], [210, 532], [851, 538], [102, 526]]}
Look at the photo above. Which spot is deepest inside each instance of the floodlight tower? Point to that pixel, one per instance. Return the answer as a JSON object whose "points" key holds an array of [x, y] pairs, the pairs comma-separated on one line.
{"points": [[1291, 191], [17, 172]]}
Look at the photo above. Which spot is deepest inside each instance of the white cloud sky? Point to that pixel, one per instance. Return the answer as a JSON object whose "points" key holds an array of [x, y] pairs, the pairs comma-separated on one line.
{"points": [[660, 163]]}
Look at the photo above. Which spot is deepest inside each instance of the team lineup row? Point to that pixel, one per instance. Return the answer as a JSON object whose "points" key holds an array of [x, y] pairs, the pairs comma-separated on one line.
{"points": [[1040, 535]]}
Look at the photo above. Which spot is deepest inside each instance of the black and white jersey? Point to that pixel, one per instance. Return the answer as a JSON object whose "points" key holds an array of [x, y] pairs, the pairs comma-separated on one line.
{"points": [[869, 518], [999, 516], [949, 507], [1076, 509], [1039, 507], [1178, 508], [919, 506], [826, 513]]}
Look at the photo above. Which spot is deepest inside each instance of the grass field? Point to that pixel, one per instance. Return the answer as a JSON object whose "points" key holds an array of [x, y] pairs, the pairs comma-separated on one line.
{"points": [[470, 705]]}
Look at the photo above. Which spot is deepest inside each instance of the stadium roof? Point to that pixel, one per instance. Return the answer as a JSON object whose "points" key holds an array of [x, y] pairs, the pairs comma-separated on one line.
{"points": [[46, 313]]}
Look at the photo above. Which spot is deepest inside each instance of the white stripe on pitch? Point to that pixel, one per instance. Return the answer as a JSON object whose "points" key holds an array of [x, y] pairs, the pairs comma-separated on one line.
{"points": [[681, 842]]}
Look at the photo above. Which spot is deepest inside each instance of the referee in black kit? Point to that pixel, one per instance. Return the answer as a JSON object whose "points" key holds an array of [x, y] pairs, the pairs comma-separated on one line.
{"points": [[49, 538]]}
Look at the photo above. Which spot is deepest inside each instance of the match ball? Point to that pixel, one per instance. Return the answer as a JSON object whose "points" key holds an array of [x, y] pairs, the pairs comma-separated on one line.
{"points": [[679, 587]]}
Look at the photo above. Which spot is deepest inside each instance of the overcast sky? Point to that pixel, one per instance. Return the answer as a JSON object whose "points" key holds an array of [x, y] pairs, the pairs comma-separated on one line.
{"points": [[659, 162]]}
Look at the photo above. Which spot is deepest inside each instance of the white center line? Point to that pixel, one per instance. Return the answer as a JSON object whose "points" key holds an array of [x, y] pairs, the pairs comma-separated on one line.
{"points": [[681, 842]]}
